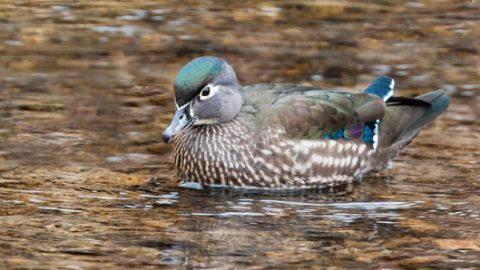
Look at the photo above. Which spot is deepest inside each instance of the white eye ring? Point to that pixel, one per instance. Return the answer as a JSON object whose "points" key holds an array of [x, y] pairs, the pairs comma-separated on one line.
{"points": [[208, 92]]}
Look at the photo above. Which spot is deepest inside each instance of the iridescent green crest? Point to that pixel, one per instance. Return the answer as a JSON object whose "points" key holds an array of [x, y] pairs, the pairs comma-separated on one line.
{"points": [[194, 76]]}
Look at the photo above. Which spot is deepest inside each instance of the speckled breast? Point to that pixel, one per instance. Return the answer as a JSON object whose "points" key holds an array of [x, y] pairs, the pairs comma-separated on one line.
{"points": [[230, 155]]}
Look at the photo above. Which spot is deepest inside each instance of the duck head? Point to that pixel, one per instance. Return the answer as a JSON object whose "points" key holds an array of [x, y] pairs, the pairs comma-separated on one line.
{"points": [[206, 92]]}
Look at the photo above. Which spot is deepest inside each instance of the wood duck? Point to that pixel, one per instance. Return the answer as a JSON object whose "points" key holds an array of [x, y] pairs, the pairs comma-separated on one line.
{"points": [[287, 136]]}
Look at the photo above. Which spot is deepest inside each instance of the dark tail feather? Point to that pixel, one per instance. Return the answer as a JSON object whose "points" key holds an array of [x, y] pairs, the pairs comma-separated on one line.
{"points": [[399, 101], [438, 101]]}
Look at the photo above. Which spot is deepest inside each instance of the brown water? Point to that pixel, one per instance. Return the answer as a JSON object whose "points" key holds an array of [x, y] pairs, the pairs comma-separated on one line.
{"points": [[85, 91]]}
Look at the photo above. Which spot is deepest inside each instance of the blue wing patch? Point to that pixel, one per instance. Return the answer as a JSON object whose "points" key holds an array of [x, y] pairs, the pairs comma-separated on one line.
{"points": [[367, 132], [382, 87], [340, 134]]}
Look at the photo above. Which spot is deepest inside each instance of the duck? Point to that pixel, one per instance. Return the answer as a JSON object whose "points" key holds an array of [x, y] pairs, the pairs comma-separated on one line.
{"points": [[280, 136]]}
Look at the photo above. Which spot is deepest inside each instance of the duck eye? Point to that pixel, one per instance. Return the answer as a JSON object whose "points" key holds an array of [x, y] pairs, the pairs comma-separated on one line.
{"points": [[205, 92]]}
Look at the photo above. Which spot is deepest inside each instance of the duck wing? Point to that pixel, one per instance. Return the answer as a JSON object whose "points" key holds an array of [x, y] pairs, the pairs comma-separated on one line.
{"points": [[306, 112]]}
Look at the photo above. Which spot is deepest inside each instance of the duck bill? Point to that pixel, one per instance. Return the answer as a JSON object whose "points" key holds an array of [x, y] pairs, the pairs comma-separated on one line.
{"points": [[181, 119]]}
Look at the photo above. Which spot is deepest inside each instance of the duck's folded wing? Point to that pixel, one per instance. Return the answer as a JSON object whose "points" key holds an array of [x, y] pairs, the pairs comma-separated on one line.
{"points": [[314, 114]]}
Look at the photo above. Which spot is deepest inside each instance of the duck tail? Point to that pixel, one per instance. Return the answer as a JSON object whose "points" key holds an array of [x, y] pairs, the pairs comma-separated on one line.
{"points": [[438, 102], [403, 120]]}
